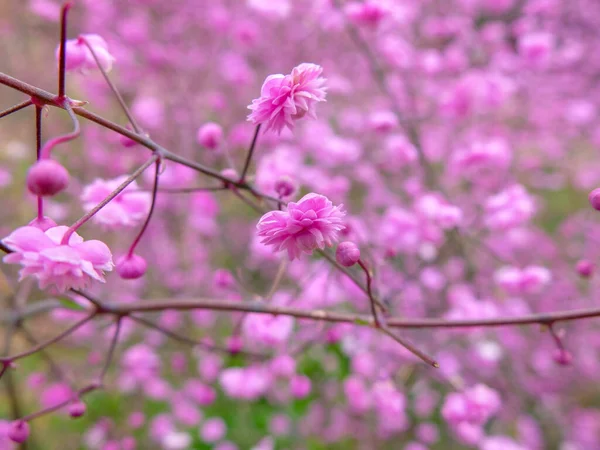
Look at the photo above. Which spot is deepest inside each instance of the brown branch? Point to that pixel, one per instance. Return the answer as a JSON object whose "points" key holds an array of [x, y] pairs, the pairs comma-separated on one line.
{"points": [[361, 319], [15, 108]]}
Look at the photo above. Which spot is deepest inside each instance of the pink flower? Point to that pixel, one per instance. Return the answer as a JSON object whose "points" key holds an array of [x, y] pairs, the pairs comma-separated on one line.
{"points": [[285, 98], [79, 56], [510, 208], [68, 266], [268, 330], [127, 209], [313, 222], [368, 14], [536, 48], [213, 430], [529, 280], [247, 383], [475, 405]]}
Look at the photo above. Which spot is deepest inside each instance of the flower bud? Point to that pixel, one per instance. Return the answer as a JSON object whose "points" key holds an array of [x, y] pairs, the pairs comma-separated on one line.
{"points": [[18, 431], [77, 409], [563, 357], [285, 187], [210, 135], [585, 268], [234, 344], [347, 254], [130, 267], [46, 178], [594, 198]]}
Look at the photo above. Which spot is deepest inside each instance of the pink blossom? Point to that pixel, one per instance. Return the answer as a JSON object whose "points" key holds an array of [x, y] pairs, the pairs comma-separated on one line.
{"points": [[529, 280], [483, 158], [286, 98], [140, 363], [300, 386], [80, 58], [313, 222], [536, 48], [213, 429], [358, 397], [127, 209], [247, 383], [268, 330], [73, 265], [509, 208], [439, 211], [475, 405], [367, 14]]}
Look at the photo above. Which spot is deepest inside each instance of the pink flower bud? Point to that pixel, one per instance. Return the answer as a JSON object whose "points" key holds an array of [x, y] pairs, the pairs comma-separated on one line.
{"points": [[18, 431], [131, 267], [594, 198], [585, 268], [285, 187], [127, 142], [563, 357], [234, 344], [347, 254], [300, 386], [210, 135], [77, 409], [47, 177]]}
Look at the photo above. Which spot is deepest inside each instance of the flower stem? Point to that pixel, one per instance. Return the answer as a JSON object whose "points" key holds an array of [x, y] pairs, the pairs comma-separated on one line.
{"points": [[48, 146], [38, 147], [15, 108], [62, 61], [104, 202], [249, 154], [112, 86], [152, 205], [42, 345]]}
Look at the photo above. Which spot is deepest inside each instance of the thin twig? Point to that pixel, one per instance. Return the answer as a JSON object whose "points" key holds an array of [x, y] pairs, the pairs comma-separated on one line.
{"points": [[15, 108], [249, 154], [111, 350], [113, 88]]}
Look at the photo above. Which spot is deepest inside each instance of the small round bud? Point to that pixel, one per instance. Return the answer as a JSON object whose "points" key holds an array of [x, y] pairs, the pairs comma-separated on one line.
{"points": [[46, 178], [210, 135], [285, 187], [347, 254], [43, 224], [594, 198], [563, 357], [585, 268], [77, 409], [127, 142], [18, 431], [130, 267], [234, 344]]}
